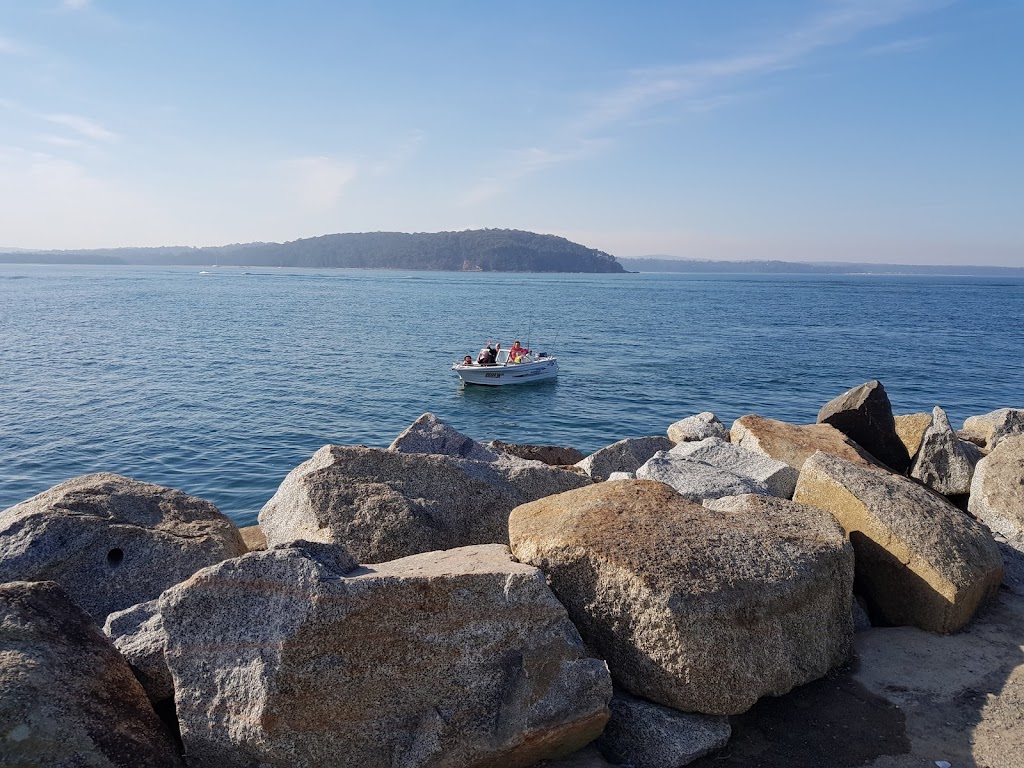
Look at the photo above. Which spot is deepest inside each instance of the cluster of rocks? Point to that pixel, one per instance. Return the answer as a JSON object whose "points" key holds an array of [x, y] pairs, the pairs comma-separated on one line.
{"points": [[445, 603]]}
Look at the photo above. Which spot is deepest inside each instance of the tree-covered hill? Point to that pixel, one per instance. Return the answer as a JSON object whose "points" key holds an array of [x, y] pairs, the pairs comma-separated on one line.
{"points": [[487, 250]]}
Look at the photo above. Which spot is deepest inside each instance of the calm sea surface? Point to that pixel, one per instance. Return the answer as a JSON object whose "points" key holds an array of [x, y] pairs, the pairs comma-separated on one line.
{"points": [[219, 384]]}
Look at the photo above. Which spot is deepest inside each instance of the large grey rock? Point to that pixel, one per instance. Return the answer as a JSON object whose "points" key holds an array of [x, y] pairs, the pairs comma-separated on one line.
{"points": [[698, 427], [112, 542], [920, 560], [997, 489], [777, 476], [695, 480], [555, 455], [624, 456], [138, 633], [384, 504], [988, 429], [67, 698], [795, 443], [428, 434], [647, 735], [457, 658], [701, 610], [944, 462], [864, 414]]}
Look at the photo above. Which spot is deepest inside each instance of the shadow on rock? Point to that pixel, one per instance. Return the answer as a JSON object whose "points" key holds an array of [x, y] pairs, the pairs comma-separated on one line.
{"points": [[912, 698], [835, 721]]}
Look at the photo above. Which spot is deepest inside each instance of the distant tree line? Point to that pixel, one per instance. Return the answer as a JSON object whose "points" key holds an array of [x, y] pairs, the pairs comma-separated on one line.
{"points": [[486, 250], [701, 266]]}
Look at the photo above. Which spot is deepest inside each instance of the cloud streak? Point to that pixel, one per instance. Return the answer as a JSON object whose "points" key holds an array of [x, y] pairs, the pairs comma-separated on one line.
{"points": [[526, 162], [700, 86], [90, 129], [844, 22]]}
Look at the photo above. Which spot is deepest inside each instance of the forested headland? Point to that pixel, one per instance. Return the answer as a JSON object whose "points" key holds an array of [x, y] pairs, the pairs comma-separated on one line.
{"points": [[476, 250]]}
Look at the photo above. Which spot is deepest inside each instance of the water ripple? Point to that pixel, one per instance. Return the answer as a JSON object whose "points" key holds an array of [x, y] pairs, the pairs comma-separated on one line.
{"points": [[220, 384]]}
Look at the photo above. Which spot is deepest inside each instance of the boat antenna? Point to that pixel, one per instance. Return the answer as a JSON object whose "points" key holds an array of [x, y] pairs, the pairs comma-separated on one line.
{"points": [[529, 333]]}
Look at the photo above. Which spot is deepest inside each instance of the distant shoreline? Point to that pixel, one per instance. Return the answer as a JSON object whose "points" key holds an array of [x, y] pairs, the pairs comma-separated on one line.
{"points": [[771, 267], [632, 267]]}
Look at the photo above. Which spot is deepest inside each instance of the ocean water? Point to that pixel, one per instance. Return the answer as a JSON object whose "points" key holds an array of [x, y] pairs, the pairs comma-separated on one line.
{"points": [[219, 384]]}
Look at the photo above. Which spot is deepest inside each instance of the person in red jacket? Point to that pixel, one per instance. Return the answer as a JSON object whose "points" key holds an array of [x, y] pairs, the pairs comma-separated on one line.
{"points": [[516, 353]]}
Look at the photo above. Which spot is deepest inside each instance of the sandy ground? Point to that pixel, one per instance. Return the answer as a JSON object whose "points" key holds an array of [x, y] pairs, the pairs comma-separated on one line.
{"points": [[909, 699]]}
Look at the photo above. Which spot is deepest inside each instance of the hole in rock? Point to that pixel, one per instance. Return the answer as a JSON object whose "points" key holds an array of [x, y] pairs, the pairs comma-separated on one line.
{"points": [[115, 556]]}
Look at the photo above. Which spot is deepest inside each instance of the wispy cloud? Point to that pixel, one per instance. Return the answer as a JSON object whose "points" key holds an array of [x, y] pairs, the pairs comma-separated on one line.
{"points": [[526, 162], [699, 80], [319, 182], [701, 86], [60, 141], [908, 45], [74, 5], [87, 132], [83, 126]]}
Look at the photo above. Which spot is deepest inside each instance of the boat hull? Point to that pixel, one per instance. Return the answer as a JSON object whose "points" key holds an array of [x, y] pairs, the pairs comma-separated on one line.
{"points": [[504, 375]]}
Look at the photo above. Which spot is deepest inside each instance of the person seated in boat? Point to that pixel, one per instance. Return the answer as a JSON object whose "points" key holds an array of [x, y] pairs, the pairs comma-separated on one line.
{"points": [[517, 352], [467, 360], [487, 356]]}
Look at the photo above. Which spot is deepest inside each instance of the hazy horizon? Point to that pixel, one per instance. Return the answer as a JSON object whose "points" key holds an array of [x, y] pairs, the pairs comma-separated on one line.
{"points": [[789, 257], [872, 131]]}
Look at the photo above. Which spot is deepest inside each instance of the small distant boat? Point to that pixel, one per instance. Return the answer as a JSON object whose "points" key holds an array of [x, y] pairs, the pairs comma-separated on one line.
{"points": [[532, 367], [203, 272]]}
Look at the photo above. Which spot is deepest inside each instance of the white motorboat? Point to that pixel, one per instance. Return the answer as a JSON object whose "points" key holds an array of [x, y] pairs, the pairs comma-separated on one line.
{"points": [[532, 367]]}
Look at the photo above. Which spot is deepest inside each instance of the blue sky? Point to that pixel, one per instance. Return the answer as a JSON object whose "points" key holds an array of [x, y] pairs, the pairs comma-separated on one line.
{"points": [[867, 130]]}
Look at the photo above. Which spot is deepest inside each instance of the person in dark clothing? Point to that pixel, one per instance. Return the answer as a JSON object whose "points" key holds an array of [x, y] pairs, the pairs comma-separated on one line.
{"points": [[488, 356]]}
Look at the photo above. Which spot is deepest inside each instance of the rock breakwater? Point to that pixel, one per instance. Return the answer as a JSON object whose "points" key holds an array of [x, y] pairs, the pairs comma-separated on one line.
{"points": [[451, 604]]}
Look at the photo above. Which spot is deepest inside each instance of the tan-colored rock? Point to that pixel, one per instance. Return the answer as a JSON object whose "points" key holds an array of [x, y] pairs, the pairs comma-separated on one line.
{"points": [[112, 542], [910, 429], [920, 560], [997, 490], [67, 698], [793, 443], [254, 538], [697, 609], [291, 657]]}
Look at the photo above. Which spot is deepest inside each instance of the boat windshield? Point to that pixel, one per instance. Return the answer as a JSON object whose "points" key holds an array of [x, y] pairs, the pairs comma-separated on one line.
{"points": [[502, 357]]}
